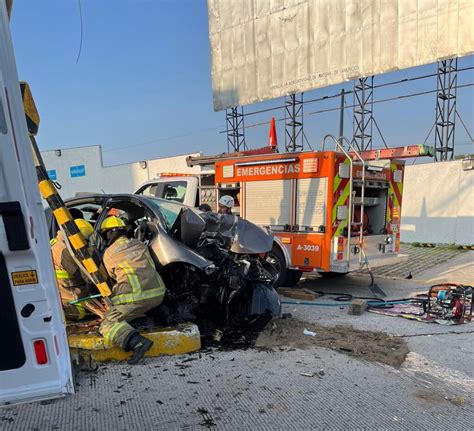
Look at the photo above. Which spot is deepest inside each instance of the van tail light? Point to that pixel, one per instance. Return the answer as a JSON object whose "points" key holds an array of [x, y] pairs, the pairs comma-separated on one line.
{"points": [[40, 352]]}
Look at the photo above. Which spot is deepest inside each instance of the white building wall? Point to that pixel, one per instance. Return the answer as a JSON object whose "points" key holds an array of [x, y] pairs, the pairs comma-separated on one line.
{"points": [[171, 164], [98, 178], [61, 161], [438, 204]]}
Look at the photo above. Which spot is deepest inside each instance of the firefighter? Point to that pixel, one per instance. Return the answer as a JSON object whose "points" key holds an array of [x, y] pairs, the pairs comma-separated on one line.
{"points": [[226, 203], [204, 208], [68, 275], [138, 288]]}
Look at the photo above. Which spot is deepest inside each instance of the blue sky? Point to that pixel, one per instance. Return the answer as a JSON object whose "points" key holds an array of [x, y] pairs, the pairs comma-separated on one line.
{"points": [[142, 86]]}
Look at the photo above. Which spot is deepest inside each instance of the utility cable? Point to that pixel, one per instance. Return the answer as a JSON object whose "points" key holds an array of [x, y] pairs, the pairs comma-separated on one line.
{"points": [[389, 99], [386, 84], [80, 41], [465, 127], [165, 138]]}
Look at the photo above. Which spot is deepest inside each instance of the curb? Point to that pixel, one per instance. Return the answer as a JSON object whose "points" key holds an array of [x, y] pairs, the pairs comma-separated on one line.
{"points": [[184, 338]]}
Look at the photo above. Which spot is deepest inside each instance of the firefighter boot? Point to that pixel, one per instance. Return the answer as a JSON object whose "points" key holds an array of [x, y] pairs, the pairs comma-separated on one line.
{"points": [[138, 345]]}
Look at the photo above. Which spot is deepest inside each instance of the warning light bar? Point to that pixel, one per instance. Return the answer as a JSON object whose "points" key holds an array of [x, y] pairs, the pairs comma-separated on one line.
{"points": [[267, 162]]}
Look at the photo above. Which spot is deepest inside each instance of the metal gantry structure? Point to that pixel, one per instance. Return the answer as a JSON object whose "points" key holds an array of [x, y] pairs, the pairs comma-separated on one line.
{"points": [[445, 125], [363, 102], [363, 114], [235, 129], [294, 135]]}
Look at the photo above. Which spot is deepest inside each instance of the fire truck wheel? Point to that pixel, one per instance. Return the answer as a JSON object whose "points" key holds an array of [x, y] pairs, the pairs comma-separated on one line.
{"points": [[331, 274], [292, 277], [277, 266]]}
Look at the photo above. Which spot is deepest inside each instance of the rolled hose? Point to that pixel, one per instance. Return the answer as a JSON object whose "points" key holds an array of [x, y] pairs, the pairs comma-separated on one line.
{"points": [[374, 304]]}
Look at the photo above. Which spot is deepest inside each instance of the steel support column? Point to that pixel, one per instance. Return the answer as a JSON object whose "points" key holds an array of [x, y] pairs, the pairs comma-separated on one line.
{"points": [[362, 124], [294, 134], [447, 78], [235, 129]]}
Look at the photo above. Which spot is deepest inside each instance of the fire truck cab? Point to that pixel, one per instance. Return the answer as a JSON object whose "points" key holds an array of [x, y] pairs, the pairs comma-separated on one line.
{"points": [[331, 212]]}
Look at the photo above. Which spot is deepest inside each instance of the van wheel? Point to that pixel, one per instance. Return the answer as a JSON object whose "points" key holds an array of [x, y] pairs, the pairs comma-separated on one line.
{"points": [[292, 277], [276, 266]]}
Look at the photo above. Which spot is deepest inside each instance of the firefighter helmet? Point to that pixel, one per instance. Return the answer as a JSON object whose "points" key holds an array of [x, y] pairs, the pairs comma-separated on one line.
{"points": [[227, 201], [111, 223]]}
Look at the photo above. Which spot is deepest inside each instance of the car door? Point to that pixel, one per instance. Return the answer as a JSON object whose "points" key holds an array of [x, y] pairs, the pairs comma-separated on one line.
{"points": [[88, 208]]}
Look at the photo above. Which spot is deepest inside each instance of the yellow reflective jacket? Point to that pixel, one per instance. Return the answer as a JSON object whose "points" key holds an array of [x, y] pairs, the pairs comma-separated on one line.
{"points": [[129, 263], [68, 276]]}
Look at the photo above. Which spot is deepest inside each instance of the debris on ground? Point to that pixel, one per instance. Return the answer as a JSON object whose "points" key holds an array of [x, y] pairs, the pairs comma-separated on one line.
{"points": [[357, 307], [429, 397], [226, 337], [83, 327], [208, 421], [309, 333], [445, 304], [319, 374], [368, 345], [458, 400]]}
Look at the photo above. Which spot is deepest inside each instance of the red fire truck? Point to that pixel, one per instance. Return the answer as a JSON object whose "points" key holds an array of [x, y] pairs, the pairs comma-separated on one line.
{"points": [[332, 211]]}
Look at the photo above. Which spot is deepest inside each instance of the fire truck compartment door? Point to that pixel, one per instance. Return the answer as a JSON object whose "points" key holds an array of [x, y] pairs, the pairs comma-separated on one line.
{"points": [[311, 198], [268, 203]]}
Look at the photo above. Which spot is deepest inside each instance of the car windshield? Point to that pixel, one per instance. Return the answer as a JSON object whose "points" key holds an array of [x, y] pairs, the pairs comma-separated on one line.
{"points": [[169, 210]]}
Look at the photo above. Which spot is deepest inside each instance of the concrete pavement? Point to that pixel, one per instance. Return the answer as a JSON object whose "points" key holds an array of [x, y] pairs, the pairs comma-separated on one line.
{"points": [[270, 388]]}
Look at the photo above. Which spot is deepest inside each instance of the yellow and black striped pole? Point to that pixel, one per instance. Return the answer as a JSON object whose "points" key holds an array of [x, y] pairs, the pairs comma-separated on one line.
{"points": [[89, 260]]}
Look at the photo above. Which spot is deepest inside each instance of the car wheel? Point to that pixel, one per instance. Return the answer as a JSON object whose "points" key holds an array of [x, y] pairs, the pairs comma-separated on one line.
{"points": [[292, 277], [276, 265]]}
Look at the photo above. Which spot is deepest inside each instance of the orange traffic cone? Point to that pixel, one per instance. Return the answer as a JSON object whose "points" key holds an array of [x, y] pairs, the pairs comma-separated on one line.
{"points": [[272, 136]]}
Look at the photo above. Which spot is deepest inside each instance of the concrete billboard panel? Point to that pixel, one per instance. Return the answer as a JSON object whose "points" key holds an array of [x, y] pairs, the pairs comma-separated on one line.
{"points": [[263, 49]]}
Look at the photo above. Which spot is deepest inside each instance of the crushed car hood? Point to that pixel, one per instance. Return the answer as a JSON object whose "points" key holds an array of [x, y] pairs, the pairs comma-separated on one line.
{"points": [[243, 237]]}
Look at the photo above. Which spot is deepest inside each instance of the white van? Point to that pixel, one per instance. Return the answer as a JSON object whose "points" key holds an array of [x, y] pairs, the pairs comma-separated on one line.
{"points": [[35, 362]]}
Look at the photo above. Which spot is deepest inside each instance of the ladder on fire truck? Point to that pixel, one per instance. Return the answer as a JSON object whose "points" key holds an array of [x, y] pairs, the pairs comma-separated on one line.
{"points": [[359, 158], [355, 158], [409, 151]]}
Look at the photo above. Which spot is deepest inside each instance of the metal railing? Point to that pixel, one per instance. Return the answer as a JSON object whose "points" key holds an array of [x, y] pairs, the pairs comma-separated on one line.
{"points": [[339, 146]]}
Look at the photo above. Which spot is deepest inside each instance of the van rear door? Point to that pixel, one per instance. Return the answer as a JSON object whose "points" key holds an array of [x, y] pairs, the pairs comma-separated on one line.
{"points": [[34, 362]]}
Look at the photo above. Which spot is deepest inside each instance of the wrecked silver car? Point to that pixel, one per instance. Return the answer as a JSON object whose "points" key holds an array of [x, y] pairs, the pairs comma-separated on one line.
{"points": [[213, 265]]}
